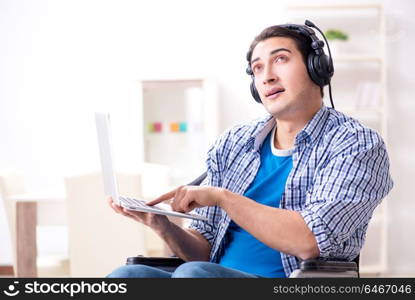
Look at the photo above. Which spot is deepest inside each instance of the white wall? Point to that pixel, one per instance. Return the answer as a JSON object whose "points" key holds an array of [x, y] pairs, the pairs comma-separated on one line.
{"points": [[401, 72], [62, 60]]}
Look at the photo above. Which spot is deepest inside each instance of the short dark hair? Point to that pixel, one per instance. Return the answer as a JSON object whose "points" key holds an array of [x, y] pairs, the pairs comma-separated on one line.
{"points": [[302, 42]]}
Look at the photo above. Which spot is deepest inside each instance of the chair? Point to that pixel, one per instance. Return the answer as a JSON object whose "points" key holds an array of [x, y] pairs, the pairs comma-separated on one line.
{"points": [[95, 231], [307, 268]]}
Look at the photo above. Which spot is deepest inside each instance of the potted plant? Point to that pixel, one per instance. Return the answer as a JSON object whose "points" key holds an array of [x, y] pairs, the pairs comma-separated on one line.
{"points": [[335, 37], [336, 34]]}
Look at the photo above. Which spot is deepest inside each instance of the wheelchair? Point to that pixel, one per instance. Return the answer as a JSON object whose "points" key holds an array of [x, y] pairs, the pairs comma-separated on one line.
{"points": [[310, 268]]}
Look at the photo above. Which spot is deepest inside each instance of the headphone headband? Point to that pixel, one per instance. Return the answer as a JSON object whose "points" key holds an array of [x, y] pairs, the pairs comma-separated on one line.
{"points": [[305, 30], [316, 44]]}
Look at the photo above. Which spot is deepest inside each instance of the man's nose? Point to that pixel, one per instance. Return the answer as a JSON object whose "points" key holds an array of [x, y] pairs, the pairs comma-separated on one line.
{"points": [[269, 75]]}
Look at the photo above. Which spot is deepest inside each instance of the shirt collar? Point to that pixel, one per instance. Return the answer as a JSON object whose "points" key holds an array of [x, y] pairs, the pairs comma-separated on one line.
{"points": [[310, 132], [314, 128], [263, 131]]}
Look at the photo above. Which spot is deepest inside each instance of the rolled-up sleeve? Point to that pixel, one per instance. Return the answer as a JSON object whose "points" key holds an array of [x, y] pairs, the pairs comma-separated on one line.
{"points": [[212, 213], [345, 193]]}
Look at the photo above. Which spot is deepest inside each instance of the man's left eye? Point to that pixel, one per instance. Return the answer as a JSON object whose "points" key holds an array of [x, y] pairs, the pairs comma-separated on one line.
{"points": [[280, 59]]}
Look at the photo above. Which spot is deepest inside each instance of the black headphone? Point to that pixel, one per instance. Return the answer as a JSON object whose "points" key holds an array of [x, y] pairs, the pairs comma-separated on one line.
{"points": [[319, 66]]}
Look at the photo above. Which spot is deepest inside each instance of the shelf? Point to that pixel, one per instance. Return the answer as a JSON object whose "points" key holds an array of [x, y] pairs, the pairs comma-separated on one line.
{"points": [[179, 123], [359, 91], [370, 113], [355, 12], [336, 7], [358, 58], [348, 18], [333, 11]]}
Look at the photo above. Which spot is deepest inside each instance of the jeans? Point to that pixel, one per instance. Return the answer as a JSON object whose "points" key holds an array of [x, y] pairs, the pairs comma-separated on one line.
{"points": [[193, 269]]}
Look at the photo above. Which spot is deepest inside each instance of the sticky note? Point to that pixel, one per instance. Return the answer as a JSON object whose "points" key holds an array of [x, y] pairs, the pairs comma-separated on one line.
{"points": [[158, 127], [174, 127], [183, 126]]}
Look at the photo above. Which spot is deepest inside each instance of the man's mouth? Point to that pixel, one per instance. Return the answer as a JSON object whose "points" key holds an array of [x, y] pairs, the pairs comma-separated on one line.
{"points": [[274, 92]]}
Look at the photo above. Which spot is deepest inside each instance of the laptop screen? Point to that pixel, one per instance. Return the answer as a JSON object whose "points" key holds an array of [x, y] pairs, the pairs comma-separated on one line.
{"points": [[106, 154]]}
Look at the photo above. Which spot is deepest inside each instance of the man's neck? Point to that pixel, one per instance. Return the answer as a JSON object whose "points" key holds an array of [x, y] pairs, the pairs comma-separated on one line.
{"points": [[285, 134], [287, 130]]}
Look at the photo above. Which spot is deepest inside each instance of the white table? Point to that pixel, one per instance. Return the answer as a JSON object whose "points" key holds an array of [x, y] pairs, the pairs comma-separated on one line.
{"points": [[28, 216]]}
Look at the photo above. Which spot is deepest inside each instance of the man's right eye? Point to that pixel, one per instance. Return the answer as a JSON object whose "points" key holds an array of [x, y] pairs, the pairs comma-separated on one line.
{"points": [[256, 69]]}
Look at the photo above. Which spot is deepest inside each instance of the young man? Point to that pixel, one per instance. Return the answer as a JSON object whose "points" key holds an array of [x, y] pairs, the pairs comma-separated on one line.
{"points": [[301, 183]]}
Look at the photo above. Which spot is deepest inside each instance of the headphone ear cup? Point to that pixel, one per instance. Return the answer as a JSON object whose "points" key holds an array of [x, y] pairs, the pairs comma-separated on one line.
{"points": [[328, 67], [319, 69], [254, 92], [325, 69]]}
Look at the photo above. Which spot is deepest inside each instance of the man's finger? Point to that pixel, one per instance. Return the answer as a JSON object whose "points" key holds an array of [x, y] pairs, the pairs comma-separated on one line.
{"points": [[162, 198], [126, 213], [114, 206], [109, 200]]}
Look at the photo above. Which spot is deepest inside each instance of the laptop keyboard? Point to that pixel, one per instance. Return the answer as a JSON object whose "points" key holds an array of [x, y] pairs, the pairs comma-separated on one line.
{"points": [[132, 203], [137, 203]]}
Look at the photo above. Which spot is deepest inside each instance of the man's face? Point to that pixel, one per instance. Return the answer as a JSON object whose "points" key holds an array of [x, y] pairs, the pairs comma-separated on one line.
{"points": [[281, 78]]}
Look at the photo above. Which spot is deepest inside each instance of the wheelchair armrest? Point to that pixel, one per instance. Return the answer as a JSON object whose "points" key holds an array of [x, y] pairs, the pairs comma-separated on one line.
{"points": [[325, 268], [163, 263], [328, 266]]}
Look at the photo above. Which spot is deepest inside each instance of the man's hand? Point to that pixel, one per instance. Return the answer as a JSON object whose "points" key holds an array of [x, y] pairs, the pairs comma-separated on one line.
{"points": [[188, 244], [154, 221], [186, 198]]}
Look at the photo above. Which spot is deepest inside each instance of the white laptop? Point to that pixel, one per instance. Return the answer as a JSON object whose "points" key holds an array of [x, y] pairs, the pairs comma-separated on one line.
{"points": [[110, 181]]}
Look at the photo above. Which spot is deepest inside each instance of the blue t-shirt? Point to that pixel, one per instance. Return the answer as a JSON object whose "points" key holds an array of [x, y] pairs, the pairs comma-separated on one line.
{"points": [[244, 252]]}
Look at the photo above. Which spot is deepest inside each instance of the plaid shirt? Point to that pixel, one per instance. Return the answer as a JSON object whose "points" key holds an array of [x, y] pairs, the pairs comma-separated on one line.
{"points": [[340, 174]]}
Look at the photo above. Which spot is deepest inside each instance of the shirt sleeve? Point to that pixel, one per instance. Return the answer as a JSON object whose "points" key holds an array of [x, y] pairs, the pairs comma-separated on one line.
{"points": [[345, 193], [213, 213]]}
